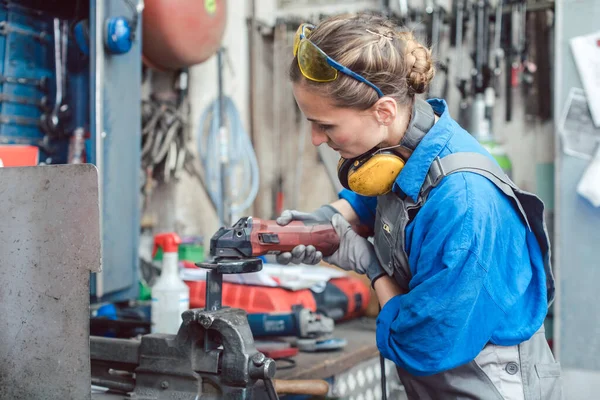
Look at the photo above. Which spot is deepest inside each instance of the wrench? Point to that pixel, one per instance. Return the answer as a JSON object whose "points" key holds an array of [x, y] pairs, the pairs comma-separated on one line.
{"points": [[60, 68]]}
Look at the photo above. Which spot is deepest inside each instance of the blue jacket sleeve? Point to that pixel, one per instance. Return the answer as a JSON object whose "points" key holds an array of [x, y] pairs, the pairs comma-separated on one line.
{"points": [[363, 206], [462, 281], [442, 323]]}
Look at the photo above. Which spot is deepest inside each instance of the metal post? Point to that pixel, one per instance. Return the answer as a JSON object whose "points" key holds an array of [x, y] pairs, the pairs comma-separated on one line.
{"points": [[98, 10], [214, 290], [224, 208]]}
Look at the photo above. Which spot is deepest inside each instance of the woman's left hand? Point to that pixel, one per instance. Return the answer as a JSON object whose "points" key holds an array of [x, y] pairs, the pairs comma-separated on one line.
{"points": [[355, 252]]}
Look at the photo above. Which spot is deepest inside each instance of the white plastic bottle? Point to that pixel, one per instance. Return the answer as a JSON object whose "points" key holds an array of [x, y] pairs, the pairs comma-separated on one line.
{"points": [[170, 295]]}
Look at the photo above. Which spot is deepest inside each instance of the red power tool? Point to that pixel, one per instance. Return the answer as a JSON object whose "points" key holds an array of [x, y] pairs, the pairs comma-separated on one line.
{"points": [[252, 237], [235, 250]]}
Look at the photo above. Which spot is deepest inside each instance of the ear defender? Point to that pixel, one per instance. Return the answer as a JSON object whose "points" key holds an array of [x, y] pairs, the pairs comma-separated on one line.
{"points": [[371, 174], [374, 172]]}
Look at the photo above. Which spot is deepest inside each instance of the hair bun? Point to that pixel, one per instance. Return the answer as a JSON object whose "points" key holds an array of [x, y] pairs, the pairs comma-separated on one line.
{"points": [[419, 64]]}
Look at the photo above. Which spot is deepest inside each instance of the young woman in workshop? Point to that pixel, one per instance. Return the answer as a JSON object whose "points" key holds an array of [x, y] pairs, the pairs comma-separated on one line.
{"points": [[460, 256]]}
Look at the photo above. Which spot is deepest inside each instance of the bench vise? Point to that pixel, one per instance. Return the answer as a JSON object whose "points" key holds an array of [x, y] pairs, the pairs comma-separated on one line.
{"points": [[212, 356]]}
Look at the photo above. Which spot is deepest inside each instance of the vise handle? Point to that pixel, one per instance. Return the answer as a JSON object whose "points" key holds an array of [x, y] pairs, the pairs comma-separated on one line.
{"points": [[314, 387]]}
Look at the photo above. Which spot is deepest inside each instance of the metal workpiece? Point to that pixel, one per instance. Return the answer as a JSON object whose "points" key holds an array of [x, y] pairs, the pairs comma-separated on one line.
{"points": [[49, 243]]}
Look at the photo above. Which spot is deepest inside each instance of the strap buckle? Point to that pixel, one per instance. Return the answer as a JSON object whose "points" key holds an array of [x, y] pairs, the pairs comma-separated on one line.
{"points": [[434, 176], [436, 173]]}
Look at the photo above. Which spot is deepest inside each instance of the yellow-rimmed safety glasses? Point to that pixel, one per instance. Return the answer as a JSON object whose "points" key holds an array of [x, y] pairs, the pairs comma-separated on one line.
{"points": [[317, 66]]}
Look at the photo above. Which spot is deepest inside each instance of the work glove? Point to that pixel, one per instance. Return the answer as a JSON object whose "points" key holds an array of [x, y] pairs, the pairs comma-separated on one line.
{"points": [[301, 253], [355, 252]]}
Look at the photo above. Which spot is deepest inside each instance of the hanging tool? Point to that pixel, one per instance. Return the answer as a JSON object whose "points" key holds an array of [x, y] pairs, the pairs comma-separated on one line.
{"points": [[514, 46], [54, 121], [459, 27], [478, 95], [498, 51], [542, 40], [479, 125], [435, 17]]}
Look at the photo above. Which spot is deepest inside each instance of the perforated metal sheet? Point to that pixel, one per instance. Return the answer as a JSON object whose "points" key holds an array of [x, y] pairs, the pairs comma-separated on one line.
{"points": [[49, 243]]}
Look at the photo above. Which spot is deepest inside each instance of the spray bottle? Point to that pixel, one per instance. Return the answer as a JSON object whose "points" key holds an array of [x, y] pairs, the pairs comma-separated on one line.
{"points": [[170, 295]]}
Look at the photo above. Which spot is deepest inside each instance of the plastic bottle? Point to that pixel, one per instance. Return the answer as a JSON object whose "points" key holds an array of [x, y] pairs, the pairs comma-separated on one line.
{"points": [[170, 295]]}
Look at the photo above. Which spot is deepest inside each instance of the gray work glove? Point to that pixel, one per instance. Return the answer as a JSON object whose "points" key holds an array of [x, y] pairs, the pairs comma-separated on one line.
{"points": [[301, 253], [355, 252]]}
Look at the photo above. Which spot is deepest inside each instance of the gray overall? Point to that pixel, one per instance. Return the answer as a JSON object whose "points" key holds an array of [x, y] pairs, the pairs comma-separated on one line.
{"points": [[527, 371]]}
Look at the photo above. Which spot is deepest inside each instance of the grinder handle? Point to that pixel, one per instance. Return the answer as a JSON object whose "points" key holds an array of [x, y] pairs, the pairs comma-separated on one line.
{"points": [[269, 237], [314, 387]]}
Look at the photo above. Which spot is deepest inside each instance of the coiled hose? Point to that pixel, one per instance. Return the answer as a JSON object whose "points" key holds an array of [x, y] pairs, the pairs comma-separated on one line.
{"points": [[242, 168]]}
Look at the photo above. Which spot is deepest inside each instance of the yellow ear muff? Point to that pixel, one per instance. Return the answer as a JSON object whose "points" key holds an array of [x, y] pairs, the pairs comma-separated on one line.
{"points": [[370, 175]]}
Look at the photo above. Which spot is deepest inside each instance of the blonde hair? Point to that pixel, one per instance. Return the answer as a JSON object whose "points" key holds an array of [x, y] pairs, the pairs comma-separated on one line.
{"points": [[375, 48]]}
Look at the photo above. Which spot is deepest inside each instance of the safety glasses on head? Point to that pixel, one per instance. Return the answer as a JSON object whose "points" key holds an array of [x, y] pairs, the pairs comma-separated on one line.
{"points": [[316, 65]]}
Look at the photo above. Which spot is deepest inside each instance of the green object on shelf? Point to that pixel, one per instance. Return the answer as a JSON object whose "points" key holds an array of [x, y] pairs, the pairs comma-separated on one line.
{"points": [[145, 291], [192, 252], [498, 152]]}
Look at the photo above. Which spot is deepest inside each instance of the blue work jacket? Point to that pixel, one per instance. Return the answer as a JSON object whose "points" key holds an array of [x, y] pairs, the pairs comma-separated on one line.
{"points": [[476, 276]]}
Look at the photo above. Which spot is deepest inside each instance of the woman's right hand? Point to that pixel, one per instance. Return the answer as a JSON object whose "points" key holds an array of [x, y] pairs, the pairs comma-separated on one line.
{"points": [[301, 253]]}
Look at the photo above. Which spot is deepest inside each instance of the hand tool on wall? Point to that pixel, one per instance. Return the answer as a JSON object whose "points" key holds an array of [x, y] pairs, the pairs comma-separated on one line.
{"points": [[513, 27], [52, 122], [458, 28]]}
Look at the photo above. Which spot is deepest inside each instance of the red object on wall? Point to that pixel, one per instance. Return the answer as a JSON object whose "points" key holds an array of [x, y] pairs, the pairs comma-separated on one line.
{"points": [[182, 33], [19, 156]]}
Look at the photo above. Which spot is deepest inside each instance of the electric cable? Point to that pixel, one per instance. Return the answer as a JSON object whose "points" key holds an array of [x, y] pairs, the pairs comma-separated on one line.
{"points": [[285, 363], [383, 377]]}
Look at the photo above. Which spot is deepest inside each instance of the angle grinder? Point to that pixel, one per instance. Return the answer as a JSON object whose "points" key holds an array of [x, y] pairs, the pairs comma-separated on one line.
{"points": [[236, 249]]}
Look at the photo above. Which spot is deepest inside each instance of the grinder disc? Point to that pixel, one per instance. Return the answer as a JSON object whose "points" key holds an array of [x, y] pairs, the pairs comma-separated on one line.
{"points": [[233, 265]]}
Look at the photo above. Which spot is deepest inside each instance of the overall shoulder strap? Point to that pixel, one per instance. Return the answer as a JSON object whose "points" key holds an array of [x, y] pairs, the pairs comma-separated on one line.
{"points": [[421, 121], [471, 162]]}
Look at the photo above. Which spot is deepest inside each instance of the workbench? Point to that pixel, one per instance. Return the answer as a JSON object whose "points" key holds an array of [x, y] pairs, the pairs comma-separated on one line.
{"points": [[352, 372], [359, 333]]}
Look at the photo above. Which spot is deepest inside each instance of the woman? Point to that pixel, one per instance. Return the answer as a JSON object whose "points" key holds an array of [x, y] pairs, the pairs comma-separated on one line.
{"points": [[460, 258]]}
